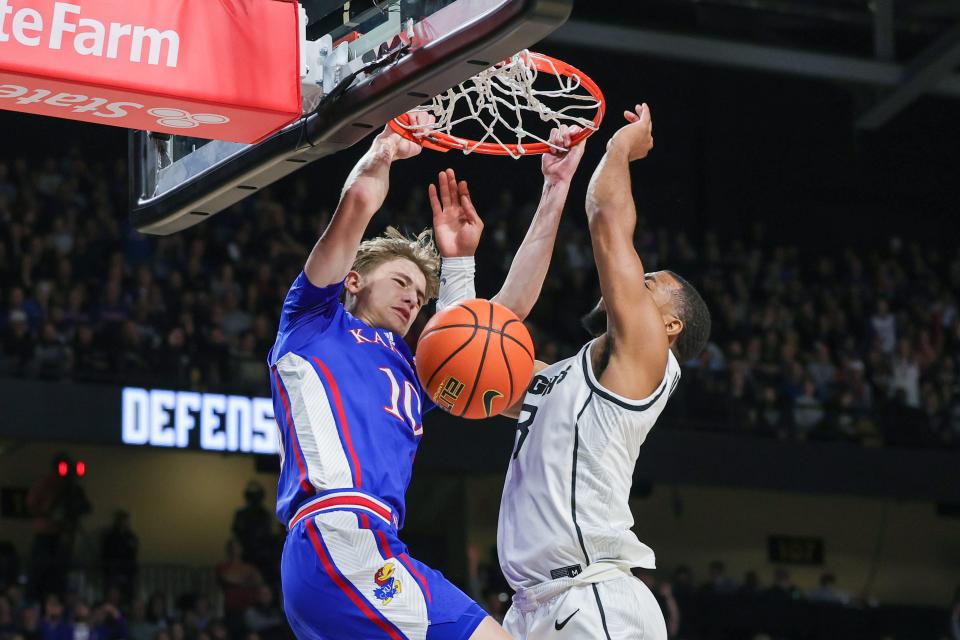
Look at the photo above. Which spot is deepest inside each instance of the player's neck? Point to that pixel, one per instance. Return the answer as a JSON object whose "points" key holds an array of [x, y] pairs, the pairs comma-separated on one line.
{"points": [[367, 319], [351, 306]]}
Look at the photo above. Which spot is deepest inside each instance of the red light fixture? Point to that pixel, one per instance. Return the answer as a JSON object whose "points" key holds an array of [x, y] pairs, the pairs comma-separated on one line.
{"points": [[63, 468], [81, 468]]}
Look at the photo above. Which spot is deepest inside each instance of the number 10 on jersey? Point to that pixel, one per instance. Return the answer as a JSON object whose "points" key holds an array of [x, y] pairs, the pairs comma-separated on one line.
{"points": [[409, 393]]}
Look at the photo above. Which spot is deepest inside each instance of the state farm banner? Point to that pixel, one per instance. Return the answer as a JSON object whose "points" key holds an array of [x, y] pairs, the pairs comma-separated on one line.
{"points": [[219, 69]]}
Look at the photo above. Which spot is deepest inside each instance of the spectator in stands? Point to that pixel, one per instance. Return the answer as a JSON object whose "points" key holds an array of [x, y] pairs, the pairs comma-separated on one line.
{"points": [[140, 627], [807, 410], [177, 630], [52, 358], [15, 595], [90, 361], [906, 374], [855, 383], [18, 344], [119, 555], [196, 613], [782, 590], [172, 360], [30, 627], [750, 589], [883, 326], [157, 610], [828, 592], [253, 527], [264, 616], [236, 320], [7, 626], [57, 502], [684, 594], [216, 630], [55, 625], [240, 582], [770, 418], [821, 369], [80, 622], [718, 582]]}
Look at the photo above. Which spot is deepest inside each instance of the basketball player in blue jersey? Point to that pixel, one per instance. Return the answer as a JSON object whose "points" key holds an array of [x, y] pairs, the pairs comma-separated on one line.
{"points": [[348, 403]]}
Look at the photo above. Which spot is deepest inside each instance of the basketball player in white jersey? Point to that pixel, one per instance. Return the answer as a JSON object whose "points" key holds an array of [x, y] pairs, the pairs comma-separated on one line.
{"points": [[564, 537]]}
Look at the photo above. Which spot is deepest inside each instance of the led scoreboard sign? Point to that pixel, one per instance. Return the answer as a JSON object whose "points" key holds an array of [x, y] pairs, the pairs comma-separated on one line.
{"points": [[208, 421]]}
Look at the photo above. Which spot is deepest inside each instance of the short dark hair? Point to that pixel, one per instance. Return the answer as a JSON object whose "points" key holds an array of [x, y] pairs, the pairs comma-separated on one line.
{"points": [[693, 312]]}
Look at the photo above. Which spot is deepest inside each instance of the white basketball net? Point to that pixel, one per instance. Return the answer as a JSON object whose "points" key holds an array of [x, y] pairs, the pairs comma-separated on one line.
{"points": [[498, 98]]}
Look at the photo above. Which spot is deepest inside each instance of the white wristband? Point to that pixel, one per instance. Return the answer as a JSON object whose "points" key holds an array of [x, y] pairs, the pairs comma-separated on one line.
{"points": [[456, 281]]}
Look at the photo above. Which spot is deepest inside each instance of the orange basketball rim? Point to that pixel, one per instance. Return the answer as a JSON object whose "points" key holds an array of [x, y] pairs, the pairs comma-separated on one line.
{"points": [[514, 79]]}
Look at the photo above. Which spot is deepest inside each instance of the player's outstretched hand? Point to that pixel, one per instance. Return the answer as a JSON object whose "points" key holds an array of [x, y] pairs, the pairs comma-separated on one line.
{"points": [[561, 165], [636, 138], [456, 225], [399, 147]]}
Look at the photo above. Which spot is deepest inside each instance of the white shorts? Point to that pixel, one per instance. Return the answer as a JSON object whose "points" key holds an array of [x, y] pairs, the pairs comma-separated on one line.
{"points": [[615, 609]]}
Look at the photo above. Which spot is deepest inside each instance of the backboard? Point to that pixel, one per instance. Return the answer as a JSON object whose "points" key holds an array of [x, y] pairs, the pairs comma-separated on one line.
{"points": [[362, 63]]}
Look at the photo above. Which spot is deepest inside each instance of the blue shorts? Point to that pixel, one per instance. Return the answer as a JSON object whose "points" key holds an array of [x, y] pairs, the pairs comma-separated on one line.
{"points": [[347, 575]]}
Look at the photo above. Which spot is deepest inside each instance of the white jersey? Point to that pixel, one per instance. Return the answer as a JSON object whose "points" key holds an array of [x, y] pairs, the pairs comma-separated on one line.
{"points": [[565, 498]]}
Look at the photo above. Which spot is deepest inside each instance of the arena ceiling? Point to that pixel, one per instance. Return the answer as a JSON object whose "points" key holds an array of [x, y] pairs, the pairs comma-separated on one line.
{"points": [[903, 48]]}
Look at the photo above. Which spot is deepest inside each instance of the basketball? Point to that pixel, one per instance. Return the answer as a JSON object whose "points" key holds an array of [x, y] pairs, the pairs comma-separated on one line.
{"points": [[475, 359]]}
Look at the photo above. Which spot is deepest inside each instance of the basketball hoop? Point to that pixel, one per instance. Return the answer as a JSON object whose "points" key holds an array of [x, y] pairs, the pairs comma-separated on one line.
{"points": [[498, 98]]}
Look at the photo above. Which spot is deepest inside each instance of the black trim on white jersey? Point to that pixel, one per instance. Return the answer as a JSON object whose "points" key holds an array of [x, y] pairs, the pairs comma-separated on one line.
{"points": [[673, 387], [603, 618], [606, 395], [573, 485]]}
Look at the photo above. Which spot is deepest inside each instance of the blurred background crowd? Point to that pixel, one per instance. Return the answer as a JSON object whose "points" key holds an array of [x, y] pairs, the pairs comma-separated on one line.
{"points": [[89, 585], [811, 339], [823, 416]]}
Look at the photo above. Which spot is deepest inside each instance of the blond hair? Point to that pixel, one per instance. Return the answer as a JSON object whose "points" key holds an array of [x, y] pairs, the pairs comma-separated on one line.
{"points": [[419, 249]]}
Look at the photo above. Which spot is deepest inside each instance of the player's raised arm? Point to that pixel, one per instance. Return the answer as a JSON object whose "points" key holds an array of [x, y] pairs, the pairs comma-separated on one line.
{"points": [[523, 283], [636, 340], [456, 229], [363, 195]]}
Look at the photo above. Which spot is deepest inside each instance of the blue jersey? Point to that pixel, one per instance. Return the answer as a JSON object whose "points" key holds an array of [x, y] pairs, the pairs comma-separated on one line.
{"points": [[347, 402]]}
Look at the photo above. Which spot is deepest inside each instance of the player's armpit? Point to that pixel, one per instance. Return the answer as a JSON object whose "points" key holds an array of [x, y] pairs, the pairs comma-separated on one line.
{"points": [[514, 411]]}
